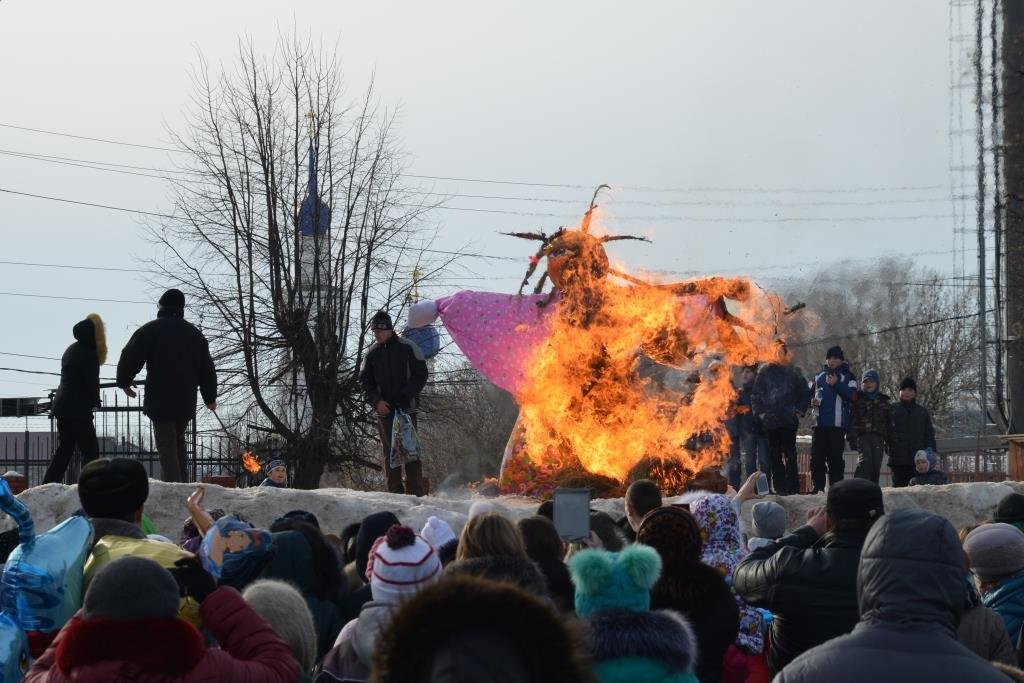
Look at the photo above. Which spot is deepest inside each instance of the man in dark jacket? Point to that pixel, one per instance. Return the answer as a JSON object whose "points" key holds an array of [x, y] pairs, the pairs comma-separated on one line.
{"points": [[871, 428], [77, 396], [393, 375], [913, 432], [177, 360], [909, 589], [808, 579], [835, 389], [778, 398]]}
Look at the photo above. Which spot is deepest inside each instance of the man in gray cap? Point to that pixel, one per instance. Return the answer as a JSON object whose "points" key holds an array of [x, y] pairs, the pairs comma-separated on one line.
{"points": [[996, 554], [767, 524], [808, 579]]}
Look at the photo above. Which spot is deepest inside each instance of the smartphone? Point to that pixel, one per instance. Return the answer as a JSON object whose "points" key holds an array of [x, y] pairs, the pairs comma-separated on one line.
{"points": [[572, 513], [762, 484]]}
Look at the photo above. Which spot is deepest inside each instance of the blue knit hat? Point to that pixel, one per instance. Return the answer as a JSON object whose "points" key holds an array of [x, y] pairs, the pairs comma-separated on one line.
{"points": [[871, 376], [606, 581]]}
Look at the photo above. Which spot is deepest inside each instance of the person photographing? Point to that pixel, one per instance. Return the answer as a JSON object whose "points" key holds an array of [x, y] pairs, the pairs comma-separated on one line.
{"points": [[392, 377]]}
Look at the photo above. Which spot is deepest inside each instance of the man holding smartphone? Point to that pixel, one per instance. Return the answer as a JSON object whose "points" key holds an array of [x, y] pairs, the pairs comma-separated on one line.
{"points": [[393, 375], [835, 388]]}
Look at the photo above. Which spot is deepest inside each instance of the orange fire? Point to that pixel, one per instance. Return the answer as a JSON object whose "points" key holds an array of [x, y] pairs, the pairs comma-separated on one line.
{"points": [[635, 370], [250, 462]]}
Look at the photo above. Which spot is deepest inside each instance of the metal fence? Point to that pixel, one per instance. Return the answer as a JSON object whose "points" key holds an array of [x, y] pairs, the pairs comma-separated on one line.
{"points": [[123, 431]]}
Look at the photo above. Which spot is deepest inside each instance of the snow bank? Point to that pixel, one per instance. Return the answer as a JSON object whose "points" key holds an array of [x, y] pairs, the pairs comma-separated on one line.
{"points": [[962, 504]]}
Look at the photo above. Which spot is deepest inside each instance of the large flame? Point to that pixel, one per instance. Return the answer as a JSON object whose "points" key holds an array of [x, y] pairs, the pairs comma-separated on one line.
{"points": [[250, 462], [634, 370]]}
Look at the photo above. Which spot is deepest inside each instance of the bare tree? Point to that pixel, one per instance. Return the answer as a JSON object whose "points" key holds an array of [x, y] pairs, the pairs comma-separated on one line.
{"points": [[291, 229], [899, 319]]}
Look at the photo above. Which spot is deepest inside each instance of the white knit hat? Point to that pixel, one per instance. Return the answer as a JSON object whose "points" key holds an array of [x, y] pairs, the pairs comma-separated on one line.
{"points": [[401, 563], [480, 507], [437, 532]]}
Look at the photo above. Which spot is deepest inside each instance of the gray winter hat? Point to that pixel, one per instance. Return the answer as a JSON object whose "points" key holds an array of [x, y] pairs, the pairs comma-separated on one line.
{"points": [[768, 519], [995, 551], [132, 588]]}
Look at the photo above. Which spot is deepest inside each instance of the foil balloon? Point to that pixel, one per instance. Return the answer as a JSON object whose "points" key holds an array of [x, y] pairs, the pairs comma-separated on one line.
{"points": [[41, 587], [14, 655], [234, 552]]}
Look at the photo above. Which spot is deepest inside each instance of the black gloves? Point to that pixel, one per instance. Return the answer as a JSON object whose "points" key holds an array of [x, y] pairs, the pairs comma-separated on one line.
{"points": [[193, 580]]}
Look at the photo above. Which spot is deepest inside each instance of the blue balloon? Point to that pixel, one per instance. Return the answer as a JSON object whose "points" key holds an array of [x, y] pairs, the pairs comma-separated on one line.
{"points": [[41, 587], [14, 657], [426, 338]]}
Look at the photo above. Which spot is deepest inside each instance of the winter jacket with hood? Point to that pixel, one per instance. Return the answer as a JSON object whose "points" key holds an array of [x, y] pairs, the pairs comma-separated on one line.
{"points": [[467, 629], [177, 360], [910, 588], [169, 650], [983, 632], [872, 415], [79, 389], [808, 583], [394, 372], [912, 432], [642, 647], [779, 396], [1007, 598], [351, 658], [836, 399]]}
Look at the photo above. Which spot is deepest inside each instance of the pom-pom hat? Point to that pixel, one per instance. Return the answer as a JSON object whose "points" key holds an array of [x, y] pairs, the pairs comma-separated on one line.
{"points": [[401, 562], [621, 581]]}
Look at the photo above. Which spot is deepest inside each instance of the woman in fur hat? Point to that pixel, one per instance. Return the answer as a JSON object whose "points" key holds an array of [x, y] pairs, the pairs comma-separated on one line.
{"points": [[77, 396]]}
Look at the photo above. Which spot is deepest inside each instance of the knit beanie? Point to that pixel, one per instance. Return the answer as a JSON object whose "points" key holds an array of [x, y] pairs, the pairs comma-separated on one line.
{"points": [[921, 455], [835, 352], [273, 465], [768, 519], [286, 611], [1010, 509], [381, 321], [132, 588], [400, 564], [114, 488], [995, 551], [370, 529], [172, 298], [437, 532], [908, 383], [871, 376], [674, 533], [621, 581], [480, 507]]}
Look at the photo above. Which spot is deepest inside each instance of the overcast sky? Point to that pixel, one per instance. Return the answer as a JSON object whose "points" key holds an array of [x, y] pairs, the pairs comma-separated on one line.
{"points": [[743, 99]]}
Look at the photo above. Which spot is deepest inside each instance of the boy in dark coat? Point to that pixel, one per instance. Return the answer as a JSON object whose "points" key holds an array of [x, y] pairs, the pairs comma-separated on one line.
{"points": [[835, 390], [871, 427], [77, 395], [913, 432], [393, 375]]}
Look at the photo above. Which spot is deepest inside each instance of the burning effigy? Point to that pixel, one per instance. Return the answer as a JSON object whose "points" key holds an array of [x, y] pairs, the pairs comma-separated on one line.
{"points": [[614, 373]]}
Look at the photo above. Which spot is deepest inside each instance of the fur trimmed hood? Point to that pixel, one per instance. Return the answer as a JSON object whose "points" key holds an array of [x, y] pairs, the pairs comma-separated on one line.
{"points": [[465, 628], [158, 646], [663, 636]]}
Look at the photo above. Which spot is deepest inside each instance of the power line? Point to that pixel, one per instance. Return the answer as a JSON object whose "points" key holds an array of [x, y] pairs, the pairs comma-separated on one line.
{"points": [[895, 328], [75, 298], [81, 203], [572, 186]]}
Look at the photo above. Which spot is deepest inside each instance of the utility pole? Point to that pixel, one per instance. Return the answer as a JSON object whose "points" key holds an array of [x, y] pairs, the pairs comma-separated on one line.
{"points": [[1013, 193], [979, 85]]}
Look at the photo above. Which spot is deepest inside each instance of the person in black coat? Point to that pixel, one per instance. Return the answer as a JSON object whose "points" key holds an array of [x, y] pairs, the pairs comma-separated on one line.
{"points": [[177, 360], [910, 585], [808, 579], [393, 375], [778, 399], [77, 396], [691, 588], [913, 432]]}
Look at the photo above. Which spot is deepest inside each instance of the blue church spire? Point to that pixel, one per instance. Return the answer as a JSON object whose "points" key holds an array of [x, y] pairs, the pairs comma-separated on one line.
{"points": [[314, 214]]}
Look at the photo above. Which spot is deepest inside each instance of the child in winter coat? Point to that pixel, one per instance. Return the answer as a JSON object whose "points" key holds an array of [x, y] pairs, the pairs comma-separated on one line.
{"points": [[871, 426], [835, 390], [913, 432], [628, 641], [928, 473], [277, 474]]}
